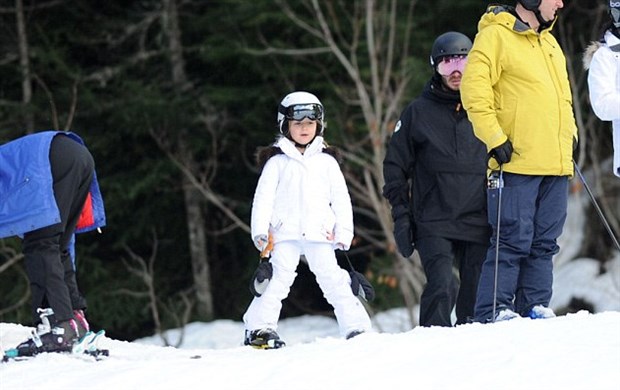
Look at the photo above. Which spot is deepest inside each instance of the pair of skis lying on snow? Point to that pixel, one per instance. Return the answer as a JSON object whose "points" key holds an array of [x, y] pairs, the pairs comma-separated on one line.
{"points": [[87, 345]]}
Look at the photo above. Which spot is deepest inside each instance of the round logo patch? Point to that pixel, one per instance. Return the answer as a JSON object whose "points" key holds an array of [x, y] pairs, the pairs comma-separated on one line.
{"points": [[398, 124]]}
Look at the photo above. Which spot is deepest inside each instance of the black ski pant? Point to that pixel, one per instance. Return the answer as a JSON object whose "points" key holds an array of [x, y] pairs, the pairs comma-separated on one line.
{"points": [[46, 251], [445, 289]]}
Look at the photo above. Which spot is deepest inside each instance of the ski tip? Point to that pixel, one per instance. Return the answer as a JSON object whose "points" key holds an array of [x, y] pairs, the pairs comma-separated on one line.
{"points": [[271, 344], [87, 335], [11, 353], [98, 353]]}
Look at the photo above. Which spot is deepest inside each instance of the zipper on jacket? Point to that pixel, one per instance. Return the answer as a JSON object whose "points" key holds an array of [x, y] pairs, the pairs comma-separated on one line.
{"points": [[559, 94], [19, 185]]}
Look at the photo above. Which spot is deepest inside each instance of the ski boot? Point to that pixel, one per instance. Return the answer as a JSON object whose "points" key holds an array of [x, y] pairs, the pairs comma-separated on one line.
{"points": [[57, 338], [506, 315], [353, 333], [263, 339], [540, 311]]}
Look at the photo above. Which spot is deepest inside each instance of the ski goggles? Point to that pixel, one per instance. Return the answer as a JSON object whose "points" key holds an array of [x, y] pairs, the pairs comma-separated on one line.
{"points": [[615, 15], [298, 112], [449, 65]]}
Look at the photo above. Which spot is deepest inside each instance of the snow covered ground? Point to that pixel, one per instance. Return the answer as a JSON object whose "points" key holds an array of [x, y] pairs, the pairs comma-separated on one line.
{"points": [[572, 352], [577, 351]]}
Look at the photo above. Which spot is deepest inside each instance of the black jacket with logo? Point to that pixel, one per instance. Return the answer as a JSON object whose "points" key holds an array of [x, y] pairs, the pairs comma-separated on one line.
{"points": [[435, 168]]}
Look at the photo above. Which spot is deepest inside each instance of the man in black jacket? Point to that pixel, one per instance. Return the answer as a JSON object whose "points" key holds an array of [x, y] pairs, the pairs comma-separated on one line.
{"points": [[435, 181]]}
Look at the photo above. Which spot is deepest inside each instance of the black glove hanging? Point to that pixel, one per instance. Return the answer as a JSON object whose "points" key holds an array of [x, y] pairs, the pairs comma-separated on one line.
{"points": [[403, 235], [361, 286], [261, 278]]}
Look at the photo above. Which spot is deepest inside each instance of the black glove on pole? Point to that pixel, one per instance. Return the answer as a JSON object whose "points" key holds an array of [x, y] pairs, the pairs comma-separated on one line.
{"points": [[503, 153]]}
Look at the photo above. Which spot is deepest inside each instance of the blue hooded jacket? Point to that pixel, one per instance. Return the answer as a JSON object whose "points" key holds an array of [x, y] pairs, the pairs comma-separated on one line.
{"points": [[27, 199]]}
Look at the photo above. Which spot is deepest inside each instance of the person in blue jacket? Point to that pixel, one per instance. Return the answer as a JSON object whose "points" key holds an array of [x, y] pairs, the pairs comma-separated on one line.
{"points": [[49, 192]]}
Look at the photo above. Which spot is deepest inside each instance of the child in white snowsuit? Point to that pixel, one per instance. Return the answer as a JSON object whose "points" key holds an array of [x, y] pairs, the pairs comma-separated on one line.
{"points": [[302, 201]]}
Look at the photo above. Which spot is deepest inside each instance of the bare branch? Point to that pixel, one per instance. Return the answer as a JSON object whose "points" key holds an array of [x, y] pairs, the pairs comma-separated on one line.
{"points": [[109, 72], [13, 258], [33, 7], [297, 20], [50, 98], [145, 271], [72, 110], [288, 52], [201, 184], [131, 293], [23, 300]]}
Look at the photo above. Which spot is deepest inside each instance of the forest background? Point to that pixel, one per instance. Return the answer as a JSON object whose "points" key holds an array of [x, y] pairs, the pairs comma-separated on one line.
{"points": [[174, 96]]}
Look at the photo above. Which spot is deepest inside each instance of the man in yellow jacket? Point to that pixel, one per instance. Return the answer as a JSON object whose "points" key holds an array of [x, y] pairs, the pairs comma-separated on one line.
{"points": [[516, 92]]}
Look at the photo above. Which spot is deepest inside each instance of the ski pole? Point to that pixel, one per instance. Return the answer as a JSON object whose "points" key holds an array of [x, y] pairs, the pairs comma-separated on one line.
{"points": [[499, 185], [596, 206], [348, 261]]}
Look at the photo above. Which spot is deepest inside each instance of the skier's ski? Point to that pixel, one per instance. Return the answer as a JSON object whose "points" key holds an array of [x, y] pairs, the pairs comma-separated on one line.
{"points": [[87, 345], [267, 344], [89, 342]]}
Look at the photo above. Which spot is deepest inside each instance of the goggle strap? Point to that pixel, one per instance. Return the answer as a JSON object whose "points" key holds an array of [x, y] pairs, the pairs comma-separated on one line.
{"points": [[282, 109]]}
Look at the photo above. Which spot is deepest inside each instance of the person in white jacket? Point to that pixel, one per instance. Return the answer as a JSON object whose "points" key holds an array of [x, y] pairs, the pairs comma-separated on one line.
{"points": [[603, 59], [302, 207]]}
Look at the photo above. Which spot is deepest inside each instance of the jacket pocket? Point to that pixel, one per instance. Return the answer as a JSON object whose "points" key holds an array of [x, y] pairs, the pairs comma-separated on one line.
{"points": [[5, 197]]}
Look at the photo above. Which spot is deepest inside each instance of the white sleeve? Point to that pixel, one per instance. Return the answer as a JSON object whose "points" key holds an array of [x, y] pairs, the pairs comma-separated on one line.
{"points": [[264, 198], [604, 84], [341, 205]]}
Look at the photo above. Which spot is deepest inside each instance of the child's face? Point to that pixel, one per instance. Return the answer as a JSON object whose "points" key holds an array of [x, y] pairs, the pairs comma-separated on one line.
{"points": [[303, 131]]}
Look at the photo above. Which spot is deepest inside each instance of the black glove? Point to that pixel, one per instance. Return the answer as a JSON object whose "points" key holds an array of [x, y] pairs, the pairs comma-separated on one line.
{"points": [[502, 153], [361, 286], [403, 235], [574, 144], [261, 278], [575, 151]]}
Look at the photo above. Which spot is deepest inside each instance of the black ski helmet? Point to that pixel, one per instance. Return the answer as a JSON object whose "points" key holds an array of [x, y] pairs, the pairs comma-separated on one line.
{"points": [[534, 6], [614, 12], [451, 43], [530, 5]]}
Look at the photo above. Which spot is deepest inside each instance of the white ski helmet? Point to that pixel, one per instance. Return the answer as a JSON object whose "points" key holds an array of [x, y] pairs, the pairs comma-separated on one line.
{"points": [[297, 106]]}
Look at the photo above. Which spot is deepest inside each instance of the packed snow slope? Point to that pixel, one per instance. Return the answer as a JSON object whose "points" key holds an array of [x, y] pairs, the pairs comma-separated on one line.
{"points": [[577, 351]]}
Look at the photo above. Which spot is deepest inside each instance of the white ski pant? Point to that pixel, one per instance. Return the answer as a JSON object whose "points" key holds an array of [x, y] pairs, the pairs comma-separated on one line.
{"points": [[335, 283]]}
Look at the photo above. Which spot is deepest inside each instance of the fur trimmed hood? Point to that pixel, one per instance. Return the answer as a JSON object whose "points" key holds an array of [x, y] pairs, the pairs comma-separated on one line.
{"points": [[589, 53], [611, 39]]}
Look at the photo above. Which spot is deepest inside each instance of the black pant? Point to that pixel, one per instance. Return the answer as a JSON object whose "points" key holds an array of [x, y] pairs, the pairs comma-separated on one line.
{"points": [[444, 289], [46, 250]]}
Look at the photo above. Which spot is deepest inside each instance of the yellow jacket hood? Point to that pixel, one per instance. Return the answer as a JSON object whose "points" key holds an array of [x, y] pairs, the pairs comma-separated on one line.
{"points": [[505, 15]]}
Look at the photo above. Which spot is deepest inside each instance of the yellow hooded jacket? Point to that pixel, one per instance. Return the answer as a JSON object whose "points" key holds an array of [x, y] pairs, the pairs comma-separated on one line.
{"points": [[515, 86]]}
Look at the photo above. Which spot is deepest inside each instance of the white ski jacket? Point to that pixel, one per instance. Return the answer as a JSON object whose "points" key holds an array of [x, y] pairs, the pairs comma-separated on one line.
{"points": [[604, 86], [303, 197]]}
